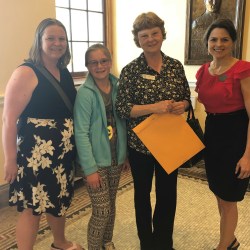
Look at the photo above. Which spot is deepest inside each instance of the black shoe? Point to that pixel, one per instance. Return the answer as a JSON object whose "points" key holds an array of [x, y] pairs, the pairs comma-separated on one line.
{"points": [[232, 247]]}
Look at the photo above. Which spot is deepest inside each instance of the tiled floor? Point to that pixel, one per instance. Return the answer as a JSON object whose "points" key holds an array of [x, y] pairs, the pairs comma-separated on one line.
{"points": [[196, 223]]}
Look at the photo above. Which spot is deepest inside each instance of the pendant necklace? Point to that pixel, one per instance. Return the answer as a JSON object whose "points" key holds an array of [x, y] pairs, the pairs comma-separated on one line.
{"points": [[221, 77]]}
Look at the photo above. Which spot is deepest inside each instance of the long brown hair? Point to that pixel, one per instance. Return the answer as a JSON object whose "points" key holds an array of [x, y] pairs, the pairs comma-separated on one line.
{"points": [[35, 51]]}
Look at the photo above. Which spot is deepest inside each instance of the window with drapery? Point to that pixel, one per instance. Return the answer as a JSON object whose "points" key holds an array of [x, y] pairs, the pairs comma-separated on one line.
{"points": [[86, 24]]}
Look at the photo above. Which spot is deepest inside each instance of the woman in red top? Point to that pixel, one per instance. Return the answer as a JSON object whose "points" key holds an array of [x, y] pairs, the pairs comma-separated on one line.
{"points": [[223, 87]]}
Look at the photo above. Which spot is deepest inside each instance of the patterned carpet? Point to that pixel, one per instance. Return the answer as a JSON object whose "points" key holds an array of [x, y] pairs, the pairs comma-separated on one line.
{"points": [[196, 223], [79, 206]]}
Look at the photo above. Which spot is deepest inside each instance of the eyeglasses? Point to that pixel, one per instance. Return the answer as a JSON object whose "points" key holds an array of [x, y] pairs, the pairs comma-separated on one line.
{"points": [[103, 62]]}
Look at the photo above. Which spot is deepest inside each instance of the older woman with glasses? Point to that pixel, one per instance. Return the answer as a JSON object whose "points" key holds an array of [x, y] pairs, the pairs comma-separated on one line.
{"points": [[101, 144]]}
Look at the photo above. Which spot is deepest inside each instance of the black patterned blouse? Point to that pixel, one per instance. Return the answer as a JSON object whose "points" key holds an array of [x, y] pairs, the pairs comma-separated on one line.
{"points": [[139, 85]]}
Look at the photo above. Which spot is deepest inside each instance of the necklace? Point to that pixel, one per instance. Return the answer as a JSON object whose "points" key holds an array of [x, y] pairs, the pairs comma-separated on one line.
{"points": [[220, 70], [217, 70]]}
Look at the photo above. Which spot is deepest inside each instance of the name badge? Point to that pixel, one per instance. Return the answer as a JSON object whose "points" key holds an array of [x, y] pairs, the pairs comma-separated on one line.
{"points": [[148, 77]]}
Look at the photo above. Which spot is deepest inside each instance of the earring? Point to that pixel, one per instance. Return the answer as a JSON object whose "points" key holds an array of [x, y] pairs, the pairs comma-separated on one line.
{"points": [[208, 53]]}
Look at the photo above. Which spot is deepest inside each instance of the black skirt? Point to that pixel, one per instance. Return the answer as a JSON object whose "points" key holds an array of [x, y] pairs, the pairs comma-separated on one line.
{"points": [[45, 171], [225, 140]]}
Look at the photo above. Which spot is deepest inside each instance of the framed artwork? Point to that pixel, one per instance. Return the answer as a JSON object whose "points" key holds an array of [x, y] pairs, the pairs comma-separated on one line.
{"points": [[200, 14]]}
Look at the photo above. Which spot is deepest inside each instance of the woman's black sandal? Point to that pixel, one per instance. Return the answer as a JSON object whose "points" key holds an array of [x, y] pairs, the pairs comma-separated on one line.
{"points": [[232, 247]]}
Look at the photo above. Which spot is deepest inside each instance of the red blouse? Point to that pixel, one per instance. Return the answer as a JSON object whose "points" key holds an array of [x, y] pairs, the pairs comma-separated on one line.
{"points": [[222, 93]]}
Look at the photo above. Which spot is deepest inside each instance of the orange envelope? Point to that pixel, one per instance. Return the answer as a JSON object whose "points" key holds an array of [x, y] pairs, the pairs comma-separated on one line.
{"points": [[169, 138]]}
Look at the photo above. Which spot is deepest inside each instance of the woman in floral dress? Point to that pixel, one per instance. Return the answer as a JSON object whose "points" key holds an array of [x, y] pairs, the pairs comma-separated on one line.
{"points": [[38, 138]]}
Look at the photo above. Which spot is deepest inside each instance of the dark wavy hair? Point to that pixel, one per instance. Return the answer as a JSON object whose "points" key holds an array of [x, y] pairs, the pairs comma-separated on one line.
{"points": [[35, 51], [223, 23], [147, 20]]}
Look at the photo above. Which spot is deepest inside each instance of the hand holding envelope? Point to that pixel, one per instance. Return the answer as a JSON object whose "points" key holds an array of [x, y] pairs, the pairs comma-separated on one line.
{"points": [[169, 138]]}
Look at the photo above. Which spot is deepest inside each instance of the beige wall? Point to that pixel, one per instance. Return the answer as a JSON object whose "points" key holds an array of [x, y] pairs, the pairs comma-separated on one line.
{"points": [[18, 20]]}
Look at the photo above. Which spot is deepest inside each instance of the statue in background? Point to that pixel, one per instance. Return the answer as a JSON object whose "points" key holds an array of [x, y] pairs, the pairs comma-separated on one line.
{"points": [[199, 26]]}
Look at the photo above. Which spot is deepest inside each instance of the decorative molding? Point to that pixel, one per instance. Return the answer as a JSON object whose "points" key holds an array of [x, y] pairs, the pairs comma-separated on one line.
{"points": [[191, 84]]}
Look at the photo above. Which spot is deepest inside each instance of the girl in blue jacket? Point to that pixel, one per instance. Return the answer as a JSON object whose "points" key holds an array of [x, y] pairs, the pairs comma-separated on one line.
{"points": [[101, 144]]}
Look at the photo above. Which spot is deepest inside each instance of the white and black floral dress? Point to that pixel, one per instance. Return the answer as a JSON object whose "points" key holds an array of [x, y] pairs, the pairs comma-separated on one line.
{"points": [[45, 150]]}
